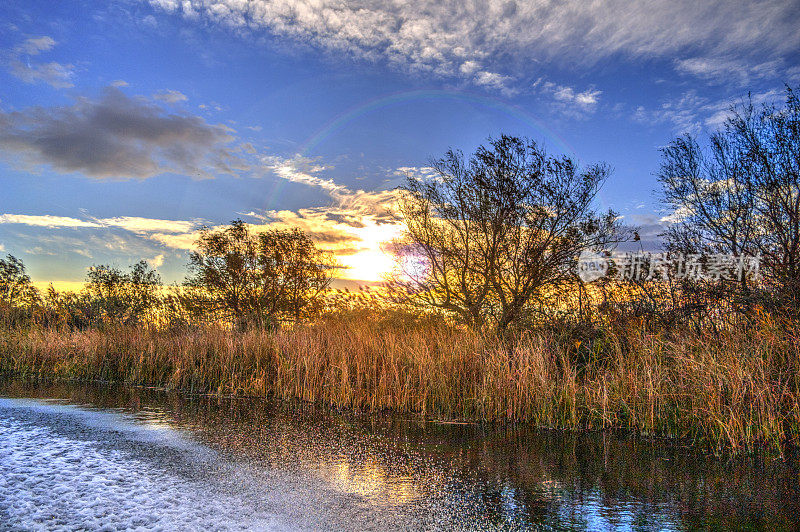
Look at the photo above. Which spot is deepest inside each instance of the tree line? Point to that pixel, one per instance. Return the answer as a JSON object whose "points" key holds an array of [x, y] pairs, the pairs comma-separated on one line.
{"points": [[492, 241], [235, 276]]}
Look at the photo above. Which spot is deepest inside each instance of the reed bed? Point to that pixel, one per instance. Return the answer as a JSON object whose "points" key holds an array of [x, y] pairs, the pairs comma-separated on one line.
{"points": [[734, 391]]}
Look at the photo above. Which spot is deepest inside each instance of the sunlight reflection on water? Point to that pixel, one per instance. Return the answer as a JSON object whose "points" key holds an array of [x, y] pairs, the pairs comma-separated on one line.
{"points": [[296, 465]]}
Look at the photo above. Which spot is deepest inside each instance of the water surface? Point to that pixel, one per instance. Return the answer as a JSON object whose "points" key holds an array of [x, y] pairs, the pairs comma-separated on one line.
{"points": [[86, 456]]}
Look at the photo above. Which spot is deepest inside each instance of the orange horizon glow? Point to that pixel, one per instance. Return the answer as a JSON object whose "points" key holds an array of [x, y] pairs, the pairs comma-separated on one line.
{"points": [[370, 264]]}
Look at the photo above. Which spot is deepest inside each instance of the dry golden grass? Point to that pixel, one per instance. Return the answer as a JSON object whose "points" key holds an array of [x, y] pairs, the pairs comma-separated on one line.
{"points": [[733, 392]]}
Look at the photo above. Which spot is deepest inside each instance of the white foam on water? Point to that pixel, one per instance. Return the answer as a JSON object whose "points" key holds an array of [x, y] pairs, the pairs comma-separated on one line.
{"points": [[50, 480], [115, 420]]}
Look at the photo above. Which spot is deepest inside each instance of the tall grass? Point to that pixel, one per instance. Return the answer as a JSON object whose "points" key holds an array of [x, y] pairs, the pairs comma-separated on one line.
{"points": [[732, 391]]}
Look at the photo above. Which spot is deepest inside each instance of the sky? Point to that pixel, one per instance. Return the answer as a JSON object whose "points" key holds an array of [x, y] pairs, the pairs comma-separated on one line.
{"points": [[127, 125]]}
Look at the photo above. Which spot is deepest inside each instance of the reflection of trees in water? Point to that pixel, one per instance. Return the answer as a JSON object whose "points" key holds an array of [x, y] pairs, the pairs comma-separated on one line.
{"points": [[503, 475], [572, 473]]}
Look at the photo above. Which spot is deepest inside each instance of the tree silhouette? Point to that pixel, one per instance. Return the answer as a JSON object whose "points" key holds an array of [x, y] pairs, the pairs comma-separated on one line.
{"points": [[16, 289], [741, 193], [255, 279], [493, 236], [122, 297]]}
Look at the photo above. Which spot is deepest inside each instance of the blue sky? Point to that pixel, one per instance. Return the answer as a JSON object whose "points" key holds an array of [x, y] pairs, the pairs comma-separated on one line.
{"points": [[126, 125]]}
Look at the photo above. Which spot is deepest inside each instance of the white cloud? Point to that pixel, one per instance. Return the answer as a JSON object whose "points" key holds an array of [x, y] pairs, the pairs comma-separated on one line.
{"points": [[136, 224], [569, 100], [722, 69], [676, 216], [691, 113], [469, 67], [425, 172], [35, 46], [299, 169], [478, 41], [717, 113], [583, 99], [176, 241], [133, 224], [19, 63], [496, 81], [139, 237], [682, 113], [170, 96], [45, 220], [150, 21], [157, 261]]}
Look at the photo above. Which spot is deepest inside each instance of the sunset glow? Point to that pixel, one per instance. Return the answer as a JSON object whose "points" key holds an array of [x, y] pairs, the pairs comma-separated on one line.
{"points": [[371, 263], [127, 126], [399, 264]]}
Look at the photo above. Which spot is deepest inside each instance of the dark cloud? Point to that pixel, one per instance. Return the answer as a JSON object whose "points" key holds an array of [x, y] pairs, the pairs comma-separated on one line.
{"points": [[117, 136], [347, 219], [331, 236]]}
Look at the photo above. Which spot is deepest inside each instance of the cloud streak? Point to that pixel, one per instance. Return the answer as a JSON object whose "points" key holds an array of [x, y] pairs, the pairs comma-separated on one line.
{"points": [[721, 69], [46, 220], [691, 113], [139, 225], [133, 224], [490, 42], [299, 169]]}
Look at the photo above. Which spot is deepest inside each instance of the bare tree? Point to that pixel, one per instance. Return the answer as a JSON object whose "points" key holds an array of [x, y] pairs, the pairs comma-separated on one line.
{"points": [[498, 234], [741, 194], [770, 139]]}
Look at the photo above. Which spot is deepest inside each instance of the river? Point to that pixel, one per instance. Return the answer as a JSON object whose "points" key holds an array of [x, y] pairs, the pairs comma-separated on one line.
{"points": [[113, 457]]}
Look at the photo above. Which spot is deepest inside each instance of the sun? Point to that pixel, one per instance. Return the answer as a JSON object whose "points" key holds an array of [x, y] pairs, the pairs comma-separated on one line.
{"points": [[371, 263]]}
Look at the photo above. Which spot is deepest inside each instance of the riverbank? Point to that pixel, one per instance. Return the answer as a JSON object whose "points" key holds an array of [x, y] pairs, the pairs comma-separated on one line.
{"points": [[730, 392]]}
